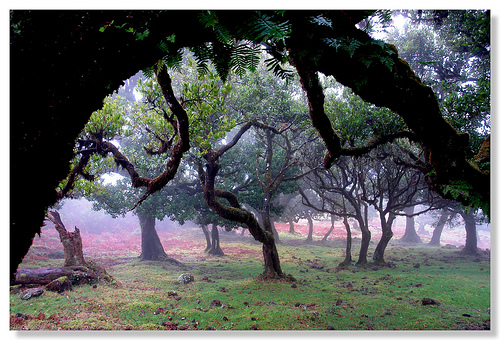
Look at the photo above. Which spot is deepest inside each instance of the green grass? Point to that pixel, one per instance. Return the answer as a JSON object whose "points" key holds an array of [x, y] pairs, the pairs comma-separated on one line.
{"points": [[351, 299]]}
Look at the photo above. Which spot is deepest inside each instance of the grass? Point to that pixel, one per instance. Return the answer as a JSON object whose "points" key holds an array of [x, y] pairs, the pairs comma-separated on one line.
{"points": [[150, 298]]}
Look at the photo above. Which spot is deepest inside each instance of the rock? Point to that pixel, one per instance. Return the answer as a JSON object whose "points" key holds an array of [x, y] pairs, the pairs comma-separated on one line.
{"points": [[185, 278], [31, 292], [22, 316], [59, 285], [215, 303], [429, 301]]}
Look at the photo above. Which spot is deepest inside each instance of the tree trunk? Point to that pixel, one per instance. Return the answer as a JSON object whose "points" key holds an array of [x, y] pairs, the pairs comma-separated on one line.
{"points": [[43, 276], [275, 232], [332, 219], [378, 254], [410, 235], [215, 249], [471, 233], [207, 238], [272, 266], [292, 226], [365, 237], [310, 223], [348, 258], [71, 241], [151, 247], [436, 234]]}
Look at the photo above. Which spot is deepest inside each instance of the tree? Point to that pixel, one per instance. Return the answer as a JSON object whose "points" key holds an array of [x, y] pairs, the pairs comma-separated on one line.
{"points": [[390, 188], [444, 217], [327, 41], [410, 235]]}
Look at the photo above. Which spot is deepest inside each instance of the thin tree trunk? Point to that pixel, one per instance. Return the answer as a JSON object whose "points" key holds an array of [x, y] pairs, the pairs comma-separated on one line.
{"points": [[410, 235], [292, 225], [332, 219], [436, 234], [365, 237], [310, 223], [207, 238], [378, 254], [215, 249], [71, 241], [348, 258]]}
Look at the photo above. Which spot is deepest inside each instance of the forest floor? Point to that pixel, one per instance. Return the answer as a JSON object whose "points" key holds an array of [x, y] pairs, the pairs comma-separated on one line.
{"points": [[226, 294]]}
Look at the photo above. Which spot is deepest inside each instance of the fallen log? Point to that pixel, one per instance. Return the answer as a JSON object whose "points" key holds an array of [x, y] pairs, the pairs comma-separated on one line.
{"points": [[42, 276]]}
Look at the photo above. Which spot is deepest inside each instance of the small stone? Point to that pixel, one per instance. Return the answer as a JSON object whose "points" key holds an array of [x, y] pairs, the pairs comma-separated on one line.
{"points": [[31, 292], [21, 315], [429, 301], [215, 303], [185, 278]]}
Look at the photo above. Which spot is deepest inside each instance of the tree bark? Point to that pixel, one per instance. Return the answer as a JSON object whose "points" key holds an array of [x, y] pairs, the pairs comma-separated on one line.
{"points": [[43, 276], [348, 258], [332, 219], [387, 234], [365, 236], [310, 223], [71, 241], [436, 234], [207, 238], [151, 247], [215, 249], [292, 226], [410, 235], [471, 233]]}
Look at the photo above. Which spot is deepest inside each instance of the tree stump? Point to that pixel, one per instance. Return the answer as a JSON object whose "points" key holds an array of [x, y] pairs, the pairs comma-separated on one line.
{"points": [[72, 242]]}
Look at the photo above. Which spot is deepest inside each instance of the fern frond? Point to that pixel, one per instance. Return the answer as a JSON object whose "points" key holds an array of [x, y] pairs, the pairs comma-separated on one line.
{"points": [[264, 27], [274, 65], [244, 57]]}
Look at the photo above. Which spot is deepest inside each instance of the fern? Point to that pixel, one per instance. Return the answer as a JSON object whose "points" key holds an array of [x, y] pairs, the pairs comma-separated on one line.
{"points": [[244, 56], [274, 65], [264, 28]]}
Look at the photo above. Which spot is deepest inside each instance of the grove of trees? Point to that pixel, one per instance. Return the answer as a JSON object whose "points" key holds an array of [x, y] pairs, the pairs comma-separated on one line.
{"points": [[254, 110]]}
